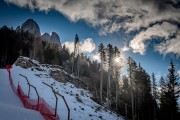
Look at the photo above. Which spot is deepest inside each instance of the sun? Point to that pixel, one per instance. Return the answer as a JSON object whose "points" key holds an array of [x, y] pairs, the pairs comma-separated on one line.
{"points": [[117, 60]]}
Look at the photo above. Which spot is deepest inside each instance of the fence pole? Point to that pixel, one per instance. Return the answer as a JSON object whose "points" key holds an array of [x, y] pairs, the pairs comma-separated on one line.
{"points": [[65, 104], [54, 95], [57, 99], [27, 83], [37, 95]]}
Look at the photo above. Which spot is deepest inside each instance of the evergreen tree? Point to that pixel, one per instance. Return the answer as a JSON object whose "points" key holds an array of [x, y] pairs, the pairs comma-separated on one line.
{"points": [[140, 91], [102, 58], [131, 69], [162, 86], [75, 64], [110, 65], [154, 86], [154, 94], [169, 96], [117, 67]]}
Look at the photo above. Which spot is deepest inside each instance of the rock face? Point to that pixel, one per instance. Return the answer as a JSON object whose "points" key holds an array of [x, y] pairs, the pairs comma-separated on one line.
{"points": [[32, 27], [46, 37], [54, 38], [18, 29]]}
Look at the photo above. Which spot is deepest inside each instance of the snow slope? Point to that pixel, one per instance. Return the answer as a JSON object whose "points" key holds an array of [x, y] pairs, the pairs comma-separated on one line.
{"points": [[6, 93], [11, 107], [82, 107], [10, 112]]}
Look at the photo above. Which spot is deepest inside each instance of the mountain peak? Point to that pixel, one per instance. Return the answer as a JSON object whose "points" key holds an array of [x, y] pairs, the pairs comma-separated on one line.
{"points": [[31, 26], [53, 38], [46, 37]]}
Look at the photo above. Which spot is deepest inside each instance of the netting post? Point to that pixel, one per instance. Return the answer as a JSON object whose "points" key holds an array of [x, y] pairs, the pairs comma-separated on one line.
{"points": [[37, 95], [54, 95], [65, 104]]}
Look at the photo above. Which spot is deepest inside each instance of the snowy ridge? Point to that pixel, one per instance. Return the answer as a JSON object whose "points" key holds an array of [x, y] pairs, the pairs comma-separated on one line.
{"points": [[82, 107]]}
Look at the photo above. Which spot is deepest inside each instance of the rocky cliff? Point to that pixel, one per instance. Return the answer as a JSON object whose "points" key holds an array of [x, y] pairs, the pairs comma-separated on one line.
{"points": [[31, 26]]}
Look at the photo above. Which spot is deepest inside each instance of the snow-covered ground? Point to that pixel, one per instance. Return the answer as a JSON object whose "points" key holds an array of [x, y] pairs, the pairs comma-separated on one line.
{"points": [[11, 107], [82, 107]]}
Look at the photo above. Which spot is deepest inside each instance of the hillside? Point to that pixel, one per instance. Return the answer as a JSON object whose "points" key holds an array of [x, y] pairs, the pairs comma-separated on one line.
{"points": [[79, 100]]}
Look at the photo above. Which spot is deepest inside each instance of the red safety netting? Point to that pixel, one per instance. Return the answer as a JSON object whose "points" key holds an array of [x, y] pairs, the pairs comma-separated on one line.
{"points": [[8, 67], [38, 104], [42, 106], [27, 102], [47, 111]]}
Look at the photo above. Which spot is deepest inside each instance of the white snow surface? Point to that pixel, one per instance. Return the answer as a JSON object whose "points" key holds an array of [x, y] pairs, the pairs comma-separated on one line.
{"points": [[11, 108], [86, 109]]}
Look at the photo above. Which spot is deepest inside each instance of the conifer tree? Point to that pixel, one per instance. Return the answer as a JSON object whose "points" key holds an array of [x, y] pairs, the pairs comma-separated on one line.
{"points": [[117, 67], [102, 58], [154, 94], [169, 96], [110, 58], [131, 68], [75, 64]]}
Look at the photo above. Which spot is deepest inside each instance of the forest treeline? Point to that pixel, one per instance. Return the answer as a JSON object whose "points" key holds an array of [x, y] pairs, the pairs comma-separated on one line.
{"points": [[19, 43], [136, 95]]}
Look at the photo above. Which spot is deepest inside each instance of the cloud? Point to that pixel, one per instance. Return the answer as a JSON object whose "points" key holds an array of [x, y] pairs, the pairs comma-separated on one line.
{"points": [[170, 46], [164, 30], [96, 57], [70, 46], [87, 46], [125, 48], [111, 16]]}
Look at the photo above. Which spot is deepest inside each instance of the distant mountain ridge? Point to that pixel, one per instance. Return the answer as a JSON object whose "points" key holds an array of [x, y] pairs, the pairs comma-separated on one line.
{"points": [[32, 27]]}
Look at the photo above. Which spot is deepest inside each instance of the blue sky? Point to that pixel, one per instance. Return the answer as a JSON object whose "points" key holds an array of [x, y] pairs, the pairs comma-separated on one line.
{"points": [[107, 24]]}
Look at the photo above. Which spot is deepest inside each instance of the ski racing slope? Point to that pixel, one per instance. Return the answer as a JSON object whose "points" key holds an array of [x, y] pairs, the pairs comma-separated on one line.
{"points": [[11, 108], [82, 107]]}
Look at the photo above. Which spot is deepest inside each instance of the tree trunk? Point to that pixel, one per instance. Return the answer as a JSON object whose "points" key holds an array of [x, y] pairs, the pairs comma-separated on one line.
{"points": [[132, 98], [101, 83], [108, 91], [117, 90], [78, 66]]}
